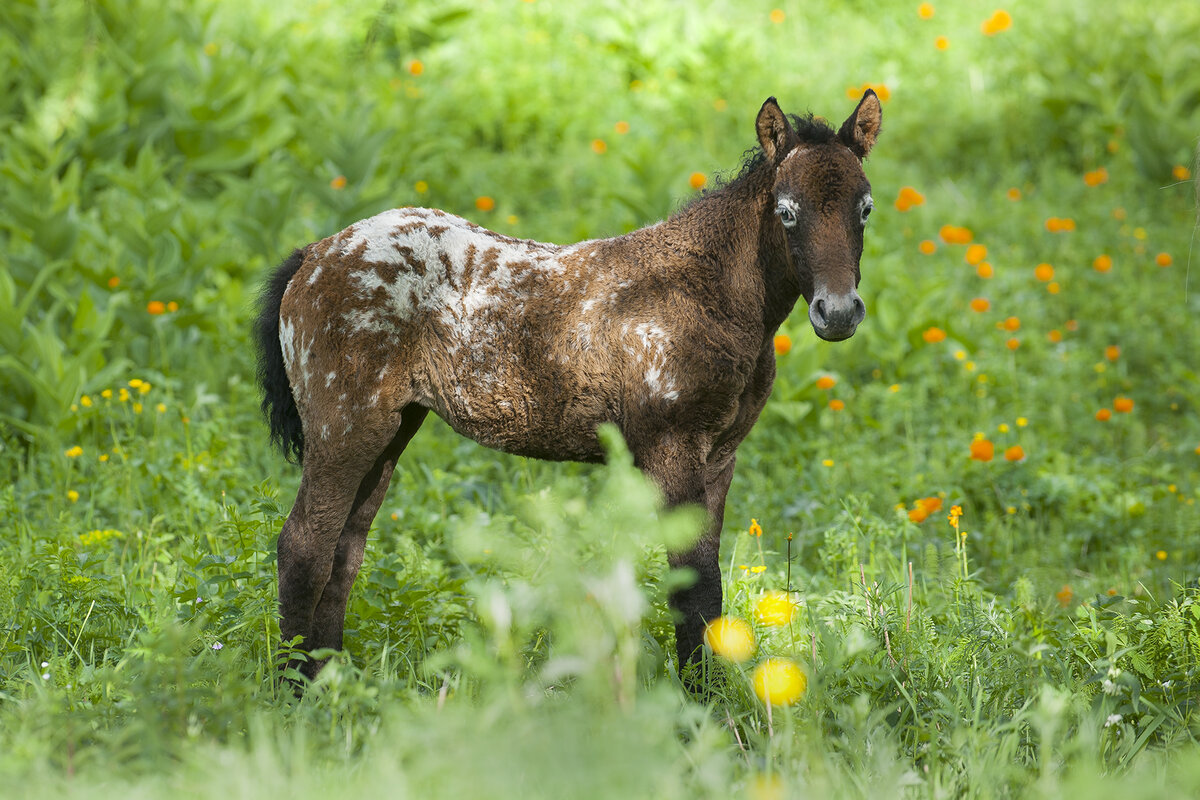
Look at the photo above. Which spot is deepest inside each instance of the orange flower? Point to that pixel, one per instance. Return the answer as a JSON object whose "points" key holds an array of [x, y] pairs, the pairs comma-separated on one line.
{"points": [[697, 180], [934, 335], [836, 405], [1102, 263], [1180, 173], [1123, 405], [1043, 272], [826, 382], [415, 67], [621, 127], [1011, 324], [172, 306], [980, 304], [155, 307], [998, 22], [783, 344], [976, 253], [1060, 225], [777, 16], [114, 282], [599, 146], [925, 11], [1053, 288], [1162, 259], [1055, 335], [1096, 177], [908, 198], [954, 234], [1014, 453], [1013, 343], [1064, 595], [1072, 325], [941, 43], [982, 450], [338, 183], [985, 271], [485, 203], [1103, 415], [927, 247], [918, 514], [930, 504], [1112, 352], [1014, 194]]}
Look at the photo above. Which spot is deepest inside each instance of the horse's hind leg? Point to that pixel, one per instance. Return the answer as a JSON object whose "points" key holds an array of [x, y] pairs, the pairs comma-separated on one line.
{"points": [[330, 614]]}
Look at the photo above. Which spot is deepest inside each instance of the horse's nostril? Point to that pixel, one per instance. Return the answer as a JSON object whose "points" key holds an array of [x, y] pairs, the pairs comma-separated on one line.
{"points": [[860, 309], [819, 307]]}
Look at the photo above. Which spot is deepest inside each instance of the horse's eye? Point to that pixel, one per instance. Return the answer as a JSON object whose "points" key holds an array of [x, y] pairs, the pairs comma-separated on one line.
{"points": [[786, 215], [866, 211]]}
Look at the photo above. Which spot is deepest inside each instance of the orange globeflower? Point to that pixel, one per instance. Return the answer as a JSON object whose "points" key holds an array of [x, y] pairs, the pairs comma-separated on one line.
{"points": [[1064, 595], [338, 183], [1060, 225], [114, 282], [599, 146], [1103, 415], [1072, 325], [955, 234], [908, 198], [415, 67], [925, 11], [998, 22], [156, 307], [980, 304], [621, 127], [985, 270], [783, 344], [941, 43], [1102, 263], [1011, 324], [1163, 259], [976, 253], [697, 180], [927, 247], [485, 203], [1013, 194], [934, 335], [1180, 173], [1096, 177], [982, 450], [1055, 335], [1043, 272], [1123, 405], [918, 514], [836, 405], [826, 382], [1112, 352], [1014, 453], [1013, 343]]}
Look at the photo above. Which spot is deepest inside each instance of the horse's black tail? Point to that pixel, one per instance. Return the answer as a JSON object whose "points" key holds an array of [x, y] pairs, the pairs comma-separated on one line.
{"points": [[278, 405]]}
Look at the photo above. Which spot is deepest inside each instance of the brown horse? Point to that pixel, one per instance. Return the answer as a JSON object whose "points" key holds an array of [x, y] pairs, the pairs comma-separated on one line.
{"points": [[528, 347]]}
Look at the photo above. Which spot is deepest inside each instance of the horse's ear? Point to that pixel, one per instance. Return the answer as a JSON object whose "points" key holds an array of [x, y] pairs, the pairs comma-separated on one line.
{"points": [[774, 131], [861, 128]]}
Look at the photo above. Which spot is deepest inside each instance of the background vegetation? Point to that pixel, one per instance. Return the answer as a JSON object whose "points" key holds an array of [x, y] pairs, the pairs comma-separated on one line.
{"points": [[508, 633]]}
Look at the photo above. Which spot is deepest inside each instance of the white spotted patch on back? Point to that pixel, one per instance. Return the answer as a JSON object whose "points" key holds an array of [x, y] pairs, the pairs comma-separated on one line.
{"points": [[648, 346]]}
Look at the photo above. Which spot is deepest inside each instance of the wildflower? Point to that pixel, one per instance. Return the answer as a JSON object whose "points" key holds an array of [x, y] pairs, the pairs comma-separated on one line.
{"points": [[1123, 405], [975, 254], [1112, 352], [421, 187], [730, 637], [720, 104], [338, 183], [73, 495], [783, 344], [982, 450], [918, 514], [980, 304], [155, 307], [1072, 325], [1011, 324], [941, 43], [998, 22], [925, 11], [1002, 427], [1102, 263], [1113, 719], [1043, 272], [622, 127], [826, 382], [123, 395], [85, 401], [836, 405], [755, 528], [758, 569], [777, 15], [1180, 173], [1163, 259], [1013, 343], [1103, 415], [1064, 595], [1053, 288], [909, 198], [895, 387], [1161, 555], [172, 306], [1139, 233], [135, 383], [933, 335], [959, 355], [114, 282], [137, 408], [1055, 335], [485, 203], [73, 452], [779, 682], [829, 461], [927, 247], [1022, 422], [599, 147], [954, 234], [697, 180], [217, 646], [415, 67], [512, 219], [955, 515], [1014, 453], [161, 408], [774, 608], [1096, 177], [1118, 213], [1060, 225]]}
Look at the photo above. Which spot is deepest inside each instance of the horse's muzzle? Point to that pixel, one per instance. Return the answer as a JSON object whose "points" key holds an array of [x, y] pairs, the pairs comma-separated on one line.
{"points": [[836, 316]]}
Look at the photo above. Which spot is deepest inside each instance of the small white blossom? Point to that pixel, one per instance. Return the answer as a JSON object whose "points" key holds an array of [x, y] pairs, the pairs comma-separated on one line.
{"points": [[45, 664], [217, 645], [1109, 687], [45, 676], [1113, 719]]}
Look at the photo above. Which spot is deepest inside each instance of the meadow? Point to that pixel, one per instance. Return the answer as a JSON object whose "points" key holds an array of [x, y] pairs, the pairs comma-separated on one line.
{"points": [[972, 527]]}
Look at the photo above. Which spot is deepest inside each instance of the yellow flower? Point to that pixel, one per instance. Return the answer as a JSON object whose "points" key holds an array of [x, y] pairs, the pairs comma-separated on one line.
{"points": [[137, 408], [925, 11], [779, 682], [730, 638], [1022, 422], [759, 569], [829, 461], [421, 187], [755, 528], [85, 401], [774, 608], [143, 387], [161, 408], [135, 383], [74, 452], [777, 16], [1161, 555], [123, 394], [106, 394], [73, 495]]}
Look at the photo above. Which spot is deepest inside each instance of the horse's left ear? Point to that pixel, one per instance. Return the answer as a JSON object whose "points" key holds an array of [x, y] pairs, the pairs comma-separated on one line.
{"points": [[861, 129], [775, 133]]}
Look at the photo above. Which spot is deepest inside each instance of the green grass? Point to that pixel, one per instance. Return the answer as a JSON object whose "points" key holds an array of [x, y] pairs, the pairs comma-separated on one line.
{"points": [[508, 634]]}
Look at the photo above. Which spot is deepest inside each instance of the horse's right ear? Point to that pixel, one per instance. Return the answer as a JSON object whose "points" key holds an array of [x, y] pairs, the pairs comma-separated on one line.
{"points": [[774, 131]]}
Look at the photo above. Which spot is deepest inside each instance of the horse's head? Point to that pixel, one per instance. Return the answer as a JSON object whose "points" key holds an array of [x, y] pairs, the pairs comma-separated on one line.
{"points": [[822, 200]]}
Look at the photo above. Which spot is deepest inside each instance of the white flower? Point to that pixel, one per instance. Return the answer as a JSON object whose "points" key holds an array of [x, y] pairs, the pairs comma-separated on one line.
{"points": [[45, 676], [217, 645], [45, 664], [1109, 687], [1113, 719]]}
